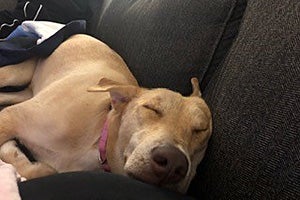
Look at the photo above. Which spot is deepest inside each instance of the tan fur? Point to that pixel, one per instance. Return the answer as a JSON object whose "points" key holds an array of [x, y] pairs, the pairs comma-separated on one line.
{"points": [[61, 123]]}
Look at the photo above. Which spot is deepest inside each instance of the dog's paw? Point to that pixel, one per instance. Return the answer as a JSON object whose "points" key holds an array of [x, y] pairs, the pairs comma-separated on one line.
{"points": [[8, 151], [42, 169]]}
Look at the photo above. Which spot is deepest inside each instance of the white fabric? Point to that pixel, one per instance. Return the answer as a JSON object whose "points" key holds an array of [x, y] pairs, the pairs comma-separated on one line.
{"points": [[8, 182], [44, 29]]}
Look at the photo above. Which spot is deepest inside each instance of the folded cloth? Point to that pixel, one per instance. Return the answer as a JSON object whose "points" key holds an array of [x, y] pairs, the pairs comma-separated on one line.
{"points": [[21, 46], [40, 29], [51, 10], [8, 182]]}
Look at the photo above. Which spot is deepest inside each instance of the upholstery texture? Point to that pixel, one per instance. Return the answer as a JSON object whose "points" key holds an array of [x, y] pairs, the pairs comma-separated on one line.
{"points": [[8, 4], [255, 100], [229, 34], [165, 43]]}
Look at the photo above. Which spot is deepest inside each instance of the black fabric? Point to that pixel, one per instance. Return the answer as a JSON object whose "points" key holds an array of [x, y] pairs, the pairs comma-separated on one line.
{"points": [[92, 186], [52, 10], [255, 100], [7, 17], [165, 43]]}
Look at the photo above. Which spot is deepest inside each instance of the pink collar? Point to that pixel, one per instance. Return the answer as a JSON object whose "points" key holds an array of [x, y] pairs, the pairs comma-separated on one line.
{"points": [[102, 147]]}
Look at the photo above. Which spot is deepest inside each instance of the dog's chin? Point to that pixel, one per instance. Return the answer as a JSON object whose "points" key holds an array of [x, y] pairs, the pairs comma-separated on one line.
{"points": [[150, 179], [143, 178]]}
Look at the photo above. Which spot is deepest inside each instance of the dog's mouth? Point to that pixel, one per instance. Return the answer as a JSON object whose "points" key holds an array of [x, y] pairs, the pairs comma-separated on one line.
{"points": [[147, 179], [163, 183]]}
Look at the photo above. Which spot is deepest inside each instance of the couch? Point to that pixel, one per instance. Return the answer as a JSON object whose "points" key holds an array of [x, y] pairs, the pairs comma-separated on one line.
{"points": [[246, 55]]}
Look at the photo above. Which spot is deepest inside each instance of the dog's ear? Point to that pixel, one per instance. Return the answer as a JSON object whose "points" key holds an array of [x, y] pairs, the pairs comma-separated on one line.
{"points": [[120, 94], [196, 88]]}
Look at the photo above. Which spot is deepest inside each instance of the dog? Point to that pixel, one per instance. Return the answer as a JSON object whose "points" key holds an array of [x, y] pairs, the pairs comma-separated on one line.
{"points": [[70, 123]]}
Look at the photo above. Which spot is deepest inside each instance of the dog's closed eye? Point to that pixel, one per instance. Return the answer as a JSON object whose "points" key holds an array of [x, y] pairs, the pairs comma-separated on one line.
{"points": [[153, 109]]}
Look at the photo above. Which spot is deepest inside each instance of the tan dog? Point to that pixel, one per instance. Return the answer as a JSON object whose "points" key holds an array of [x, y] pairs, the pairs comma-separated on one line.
{"points": [[156, 136]]}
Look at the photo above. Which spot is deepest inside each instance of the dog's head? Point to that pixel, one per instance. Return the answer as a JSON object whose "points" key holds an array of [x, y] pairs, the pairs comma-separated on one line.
{"points": [[162, 136]]}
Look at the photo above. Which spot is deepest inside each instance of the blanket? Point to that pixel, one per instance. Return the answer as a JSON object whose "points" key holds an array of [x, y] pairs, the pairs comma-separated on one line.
{"points": [[36, 39], [8, 182]]}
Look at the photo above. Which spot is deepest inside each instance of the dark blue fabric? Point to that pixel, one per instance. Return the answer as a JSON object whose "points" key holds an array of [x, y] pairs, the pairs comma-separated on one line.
{"points": [[19, 31], [52, 10], [18, 49]]}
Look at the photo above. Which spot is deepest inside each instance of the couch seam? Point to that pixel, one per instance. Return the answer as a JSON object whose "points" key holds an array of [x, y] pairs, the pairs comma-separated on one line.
{"points": [[218, 41]]}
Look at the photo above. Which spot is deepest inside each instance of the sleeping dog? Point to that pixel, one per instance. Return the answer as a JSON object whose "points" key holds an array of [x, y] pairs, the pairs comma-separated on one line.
{"points": [[69, 122]]}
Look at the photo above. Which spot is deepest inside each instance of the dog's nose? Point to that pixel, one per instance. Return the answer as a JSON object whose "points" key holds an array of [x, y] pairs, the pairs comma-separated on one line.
{"points": [[169, 164]]}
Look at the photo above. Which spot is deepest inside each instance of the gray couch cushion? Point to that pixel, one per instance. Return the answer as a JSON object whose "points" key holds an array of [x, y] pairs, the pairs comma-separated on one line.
{"points": [[254, 152], [229, 34], [7, 4], [164, 42]]}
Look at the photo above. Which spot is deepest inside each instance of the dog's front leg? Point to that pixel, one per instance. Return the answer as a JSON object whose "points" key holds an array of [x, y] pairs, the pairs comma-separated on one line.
{"points": [[10, 153], [10, 98], [19, 74]]}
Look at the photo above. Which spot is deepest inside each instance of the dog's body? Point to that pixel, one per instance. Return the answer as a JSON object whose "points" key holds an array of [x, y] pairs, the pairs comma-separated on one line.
{"points": [[157, 136]]}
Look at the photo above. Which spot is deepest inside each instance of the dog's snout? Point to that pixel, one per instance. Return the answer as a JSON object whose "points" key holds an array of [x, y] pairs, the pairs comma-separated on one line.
{"points": [[169, 164]]}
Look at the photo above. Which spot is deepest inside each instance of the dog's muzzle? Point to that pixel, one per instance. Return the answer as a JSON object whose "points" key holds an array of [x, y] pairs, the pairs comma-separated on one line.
{"points": [[169, 164]]}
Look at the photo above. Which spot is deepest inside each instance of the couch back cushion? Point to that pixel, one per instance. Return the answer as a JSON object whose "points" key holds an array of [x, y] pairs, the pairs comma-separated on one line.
{"points": [[164, 42], [7, 5], [254, 152]]}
